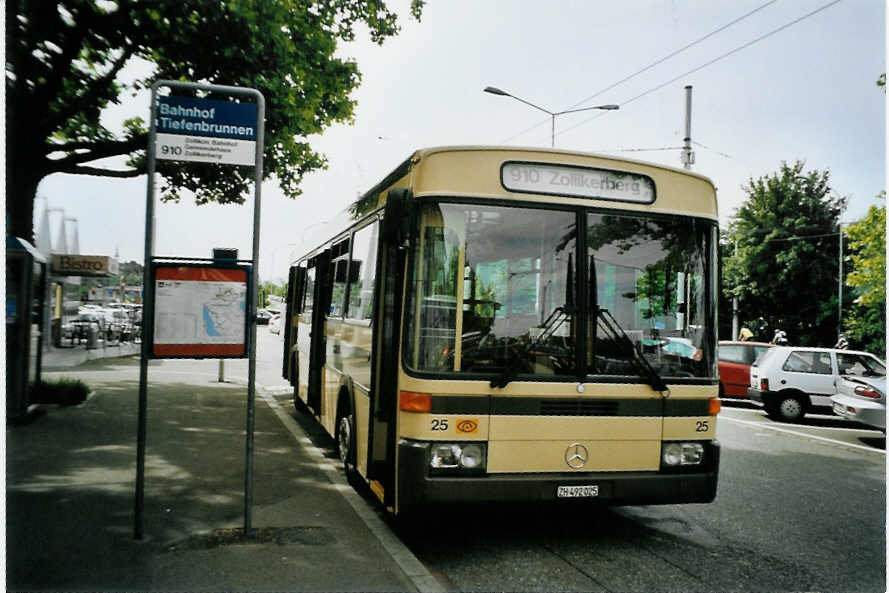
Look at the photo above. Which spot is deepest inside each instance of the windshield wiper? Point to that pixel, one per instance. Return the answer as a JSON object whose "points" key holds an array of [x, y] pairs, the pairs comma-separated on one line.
{"points": [[617, 334], [549, 327]]}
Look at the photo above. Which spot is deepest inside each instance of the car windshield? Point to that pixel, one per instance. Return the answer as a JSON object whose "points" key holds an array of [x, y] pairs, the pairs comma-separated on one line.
{"points": [[506, 280], [861, 365]]}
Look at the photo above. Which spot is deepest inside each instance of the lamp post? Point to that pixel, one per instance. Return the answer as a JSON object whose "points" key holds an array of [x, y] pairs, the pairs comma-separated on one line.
{"points": [[552, 114], [840, 287]]}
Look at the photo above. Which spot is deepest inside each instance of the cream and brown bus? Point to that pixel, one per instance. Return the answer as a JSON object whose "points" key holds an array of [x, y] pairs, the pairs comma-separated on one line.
{"points": [[507, 324]]}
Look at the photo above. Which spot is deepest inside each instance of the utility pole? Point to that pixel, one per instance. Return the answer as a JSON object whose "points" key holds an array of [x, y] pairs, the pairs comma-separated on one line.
{"points": [[735, 329], [688, 156], [840, 289]]}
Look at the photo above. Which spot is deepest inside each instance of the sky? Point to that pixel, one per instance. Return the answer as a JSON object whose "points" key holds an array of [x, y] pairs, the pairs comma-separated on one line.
{"points": [[779, 84]]}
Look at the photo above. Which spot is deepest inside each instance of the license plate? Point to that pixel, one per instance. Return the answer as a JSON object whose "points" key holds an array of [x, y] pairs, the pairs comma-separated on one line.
{"points": [[577, 491]]}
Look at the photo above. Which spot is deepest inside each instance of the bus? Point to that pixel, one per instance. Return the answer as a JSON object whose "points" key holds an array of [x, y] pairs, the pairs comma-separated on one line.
{"points": [[494, 324]]}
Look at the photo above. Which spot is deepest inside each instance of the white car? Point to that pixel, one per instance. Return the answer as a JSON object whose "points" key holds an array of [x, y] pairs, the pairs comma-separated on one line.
{"points": [[790, 381], [862, 399]]}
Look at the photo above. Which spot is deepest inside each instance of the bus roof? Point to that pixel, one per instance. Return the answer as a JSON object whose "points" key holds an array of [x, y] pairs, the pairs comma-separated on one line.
{"points": [[429, 171], [420, 152], [483, 174]]}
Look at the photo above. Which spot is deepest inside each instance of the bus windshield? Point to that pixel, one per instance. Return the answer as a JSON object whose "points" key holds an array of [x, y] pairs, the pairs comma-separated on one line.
{"points": [[505, 280]]}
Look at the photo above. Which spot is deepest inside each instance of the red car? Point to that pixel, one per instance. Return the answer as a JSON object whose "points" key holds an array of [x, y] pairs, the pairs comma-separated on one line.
{"points": [[735, 359]]}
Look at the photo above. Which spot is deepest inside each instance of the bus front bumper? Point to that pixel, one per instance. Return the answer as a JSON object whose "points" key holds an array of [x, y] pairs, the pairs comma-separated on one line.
{"points": [[417, 487]]}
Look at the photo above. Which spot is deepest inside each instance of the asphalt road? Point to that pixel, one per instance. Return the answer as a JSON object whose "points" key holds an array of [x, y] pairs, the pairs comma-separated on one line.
{"points": [[800, 507], [793, 513]]}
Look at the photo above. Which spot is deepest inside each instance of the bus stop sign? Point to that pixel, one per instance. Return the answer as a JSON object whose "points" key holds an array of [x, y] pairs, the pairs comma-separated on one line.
{"points": [[206, 131]]}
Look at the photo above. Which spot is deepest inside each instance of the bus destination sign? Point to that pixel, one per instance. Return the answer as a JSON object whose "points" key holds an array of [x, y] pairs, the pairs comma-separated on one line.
{"points": [[582, 182], [206, 131]]}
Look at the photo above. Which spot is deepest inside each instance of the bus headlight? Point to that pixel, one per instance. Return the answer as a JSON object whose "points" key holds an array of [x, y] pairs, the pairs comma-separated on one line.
{"points": [[457, 456], [675, 454], [472, 457], [445, 456]]}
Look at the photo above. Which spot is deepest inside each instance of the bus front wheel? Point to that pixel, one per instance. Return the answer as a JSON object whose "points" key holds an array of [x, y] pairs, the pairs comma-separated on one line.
{"points": [[345, 443]]}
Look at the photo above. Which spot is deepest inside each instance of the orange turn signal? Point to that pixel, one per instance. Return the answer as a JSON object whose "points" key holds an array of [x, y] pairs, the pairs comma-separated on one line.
{"points": [[715, 406], [410, 401]]}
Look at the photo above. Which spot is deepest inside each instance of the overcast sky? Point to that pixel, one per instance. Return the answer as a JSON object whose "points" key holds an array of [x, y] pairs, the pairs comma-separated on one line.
{"points": [[804, 92]]}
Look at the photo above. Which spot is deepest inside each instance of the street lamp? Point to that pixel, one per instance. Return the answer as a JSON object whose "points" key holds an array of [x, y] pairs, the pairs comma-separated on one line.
{"points": [[840, 287], [552, 114]]}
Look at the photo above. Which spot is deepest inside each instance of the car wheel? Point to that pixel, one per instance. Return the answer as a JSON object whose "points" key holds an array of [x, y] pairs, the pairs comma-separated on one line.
{"points": [[790, 409]]}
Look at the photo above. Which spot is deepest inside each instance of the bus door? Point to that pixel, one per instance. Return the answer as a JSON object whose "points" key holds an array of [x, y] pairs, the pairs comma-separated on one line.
{"points": [[386, 336], [318, 344], [295, 286]]}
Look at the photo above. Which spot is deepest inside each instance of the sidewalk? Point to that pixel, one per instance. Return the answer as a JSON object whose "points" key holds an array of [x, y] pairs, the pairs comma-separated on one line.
{"points": [[71, 485], [72, 356]]}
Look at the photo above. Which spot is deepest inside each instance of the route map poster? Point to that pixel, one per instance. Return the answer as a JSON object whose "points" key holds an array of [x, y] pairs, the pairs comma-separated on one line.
{"points": [[200, 312]]}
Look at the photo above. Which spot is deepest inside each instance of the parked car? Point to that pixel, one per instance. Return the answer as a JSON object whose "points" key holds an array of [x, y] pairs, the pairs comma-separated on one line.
{"points": [[263, 316], [80, 326], [735, 359], [275, 323], [790, 381], [862, 399]]}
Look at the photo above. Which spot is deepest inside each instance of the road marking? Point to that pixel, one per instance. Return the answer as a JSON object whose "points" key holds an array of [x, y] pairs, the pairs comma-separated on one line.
{"points": [[804, 434], [814, 416], [409, 564]]}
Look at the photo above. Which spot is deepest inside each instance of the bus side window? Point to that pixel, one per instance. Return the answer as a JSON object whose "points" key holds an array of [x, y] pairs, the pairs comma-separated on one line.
{"points": [[362, 272], [338, 295], [309, 288]]}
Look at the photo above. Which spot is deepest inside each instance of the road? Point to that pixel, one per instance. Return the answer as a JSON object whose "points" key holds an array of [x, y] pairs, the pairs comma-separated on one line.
{"points": [[792, 514], [800, 507]]}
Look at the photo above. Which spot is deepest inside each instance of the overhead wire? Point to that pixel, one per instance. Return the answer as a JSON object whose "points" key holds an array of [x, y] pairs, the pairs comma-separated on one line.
{"points": [[677, 52], [637, 149], [710, 62], [704, 146], [655, 63], [801, 237]]}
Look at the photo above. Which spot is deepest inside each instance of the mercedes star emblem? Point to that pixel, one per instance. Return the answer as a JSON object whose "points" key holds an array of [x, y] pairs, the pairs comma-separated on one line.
{"points": [[576, 456]]}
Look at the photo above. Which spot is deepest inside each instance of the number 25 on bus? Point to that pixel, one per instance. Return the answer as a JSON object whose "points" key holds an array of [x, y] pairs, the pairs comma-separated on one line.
{"points": [[493, 324]]}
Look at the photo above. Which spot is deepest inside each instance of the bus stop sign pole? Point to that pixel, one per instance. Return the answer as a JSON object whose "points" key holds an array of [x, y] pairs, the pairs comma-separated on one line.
{"points": [[236, 152]]}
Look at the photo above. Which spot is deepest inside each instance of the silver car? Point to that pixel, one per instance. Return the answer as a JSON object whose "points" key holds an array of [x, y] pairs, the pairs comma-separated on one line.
{"points": [[862, 399]]}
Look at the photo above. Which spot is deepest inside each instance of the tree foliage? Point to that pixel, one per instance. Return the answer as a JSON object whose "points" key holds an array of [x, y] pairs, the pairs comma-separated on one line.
{"points": [[785, 271], [865, 322], [65, 58]]}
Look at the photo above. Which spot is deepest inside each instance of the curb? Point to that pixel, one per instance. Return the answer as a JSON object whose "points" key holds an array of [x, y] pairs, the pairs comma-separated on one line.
{"points": [[409, 564]]}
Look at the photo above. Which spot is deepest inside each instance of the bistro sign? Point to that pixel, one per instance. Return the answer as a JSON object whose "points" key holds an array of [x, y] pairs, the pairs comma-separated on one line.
{"points": [[84, 265]]}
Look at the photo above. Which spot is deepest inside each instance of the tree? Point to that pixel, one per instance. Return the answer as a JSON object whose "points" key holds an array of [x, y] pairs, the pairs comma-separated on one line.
{"points": [[270, 288], [64, 60], [785, 270], [865, 323], [131, 273]]}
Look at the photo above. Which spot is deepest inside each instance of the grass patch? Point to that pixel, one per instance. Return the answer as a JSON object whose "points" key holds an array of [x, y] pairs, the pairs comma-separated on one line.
{"points": [[65, 392]]}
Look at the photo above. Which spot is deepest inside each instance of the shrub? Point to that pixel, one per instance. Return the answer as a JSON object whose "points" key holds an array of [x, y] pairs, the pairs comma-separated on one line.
{"points": [[66, 392]]}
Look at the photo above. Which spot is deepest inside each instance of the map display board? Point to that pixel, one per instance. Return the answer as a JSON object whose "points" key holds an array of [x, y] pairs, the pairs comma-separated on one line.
{"points": [[200, 311]]}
